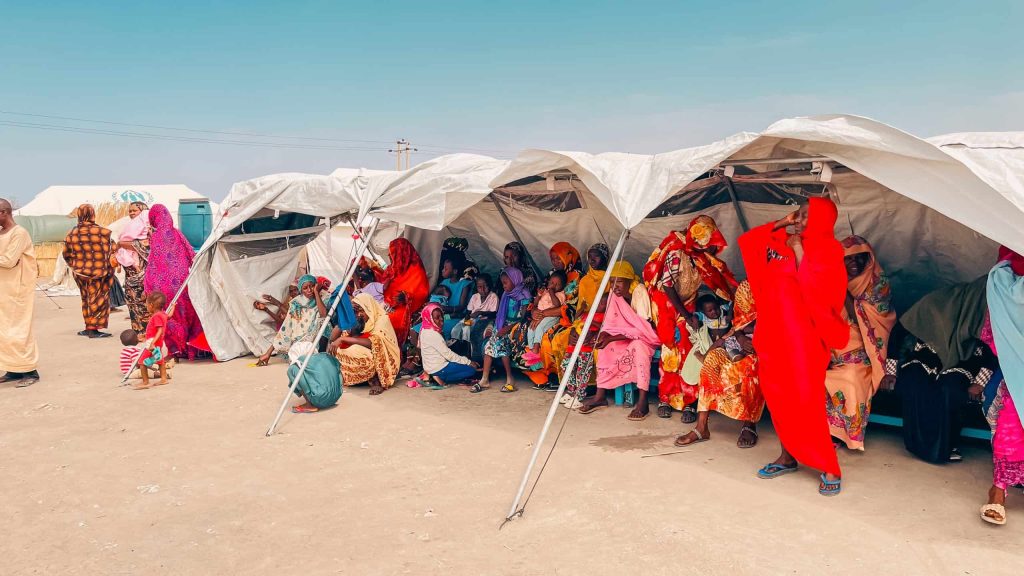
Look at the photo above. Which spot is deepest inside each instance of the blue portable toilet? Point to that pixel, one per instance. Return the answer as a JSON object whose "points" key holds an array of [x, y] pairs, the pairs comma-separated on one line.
{"points": [[195, 220]]}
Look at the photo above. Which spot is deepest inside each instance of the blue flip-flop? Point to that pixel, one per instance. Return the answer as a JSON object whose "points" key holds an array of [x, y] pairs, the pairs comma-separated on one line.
{"points": [[829, 487], [774, 470]]}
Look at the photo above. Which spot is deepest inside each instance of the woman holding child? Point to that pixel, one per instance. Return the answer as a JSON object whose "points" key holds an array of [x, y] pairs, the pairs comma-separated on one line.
{"points": [[512, 307], [675, 271], [170, 258], [302, 321]]}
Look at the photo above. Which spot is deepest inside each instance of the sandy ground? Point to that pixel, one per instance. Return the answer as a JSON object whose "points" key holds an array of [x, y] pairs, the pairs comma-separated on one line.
{"points": [[100, 479]]}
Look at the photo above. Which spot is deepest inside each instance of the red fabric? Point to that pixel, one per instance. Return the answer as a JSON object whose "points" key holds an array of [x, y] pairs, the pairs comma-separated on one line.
{"points": [[1016, 260], [799, 321], [405, 275]]}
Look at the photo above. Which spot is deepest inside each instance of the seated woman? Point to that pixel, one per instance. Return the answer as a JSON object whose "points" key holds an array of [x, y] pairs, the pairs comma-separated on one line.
{"points": [[320, 384], [480, 313], [566, 259], [944, 360], [1003, 399], [627, 342], [458, 278], [302, 321], [371, 356], [728, 381], [855, 372], [443, 365], [511, 309]]}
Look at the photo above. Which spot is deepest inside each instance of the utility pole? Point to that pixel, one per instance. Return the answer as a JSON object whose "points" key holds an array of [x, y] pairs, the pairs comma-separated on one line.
{"points": [[402, 146]]}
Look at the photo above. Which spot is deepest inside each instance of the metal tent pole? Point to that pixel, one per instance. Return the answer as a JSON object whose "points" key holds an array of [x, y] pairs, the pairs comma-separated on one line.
{"points": [[326, 322], [736, 204], [565, 376]]}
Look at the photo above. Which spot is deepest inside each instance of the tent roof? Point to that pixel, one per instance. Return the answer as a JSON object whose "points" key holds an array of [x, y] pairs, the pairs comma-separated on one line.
{"points": [[63, 199], [985, 195], [996, 157]]}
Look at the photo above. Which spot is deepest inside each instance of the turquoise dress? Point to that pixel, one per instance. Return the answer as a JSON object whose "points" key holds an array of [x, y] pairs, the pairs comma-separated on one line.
{"points": [[320, 384]]}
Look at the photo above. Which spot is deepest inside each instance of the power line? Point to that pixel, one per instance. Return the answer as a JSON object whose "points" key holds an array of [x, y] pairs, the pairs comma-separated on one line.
{"points": [[155, 127], [437, 147], [150, 136]]}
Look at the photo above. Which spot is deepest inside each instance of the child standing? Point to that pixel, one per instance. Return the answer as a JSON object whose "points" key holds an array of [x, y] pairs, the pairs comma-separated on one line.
{"points": [[153, 348], [443, 365], [546, 313]]}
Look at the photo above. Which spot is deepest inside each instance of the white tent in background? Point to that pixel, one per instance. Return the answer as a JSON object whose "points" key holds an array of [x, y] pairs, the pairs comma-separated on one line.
{"points": [[264, 223], [65, 199]]}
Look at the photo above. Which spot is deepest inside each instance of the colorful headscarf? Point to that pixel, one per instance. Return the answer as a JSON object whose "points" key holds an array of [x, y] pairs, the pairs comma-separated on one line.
{"points": [[428, 319], [403, 256], [569, 256], [872, 296], [518, 292], [602, 249], [384, 349], [1005, 295], [301, 301], [623, 269], [323, 283], [519, 250]]}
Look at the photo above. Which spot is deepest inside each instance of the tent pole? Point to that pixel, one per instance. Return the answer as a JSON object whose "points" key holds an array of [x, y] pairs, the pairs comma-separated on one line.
{"points": [[326, 321], [515, 234], [514, 510], [181, 290], [736, 204]]}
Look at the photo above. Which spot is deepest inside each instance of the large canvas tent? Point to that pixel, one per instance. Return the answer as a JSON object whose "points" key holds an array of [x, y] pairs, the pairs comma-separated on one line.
{"points": [[932, 215], [264, 223]]}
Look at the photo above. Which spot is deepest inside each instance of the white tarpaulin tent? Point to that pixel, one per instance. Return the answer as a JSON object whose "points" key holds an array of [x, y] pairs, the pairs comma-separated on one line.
{"points": [[904, 194], [65, 199], [249, 254]]}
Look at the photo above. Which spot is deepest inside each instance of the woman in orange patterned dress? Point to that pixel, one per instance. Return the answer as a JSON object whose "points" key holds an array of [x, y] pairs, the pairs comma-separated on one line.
{"points": [[88, 251], [728, 378], [673, 275]]}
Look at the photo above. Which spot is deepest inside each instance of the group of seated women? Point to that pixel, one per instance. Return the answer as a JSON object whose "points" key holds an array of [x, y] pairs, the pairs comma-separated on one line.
{"points": [[689, 317]]}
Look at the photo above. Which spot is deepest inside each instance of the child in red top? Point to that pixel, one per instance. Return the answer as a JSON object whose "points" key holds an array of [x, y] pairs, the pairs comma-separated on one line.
{"points": [[155, 331]]}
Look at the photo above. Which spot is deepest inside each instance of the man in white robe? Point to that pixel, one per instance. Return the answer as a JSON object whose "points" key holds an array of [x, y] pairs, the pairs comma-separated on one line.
{"points": [[18, 352]]}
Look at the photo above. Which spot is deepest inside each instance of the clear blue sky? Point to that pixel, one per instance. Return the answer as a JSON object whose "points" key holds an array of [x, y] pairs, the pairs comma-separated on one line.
{"points": [[638, 76]]}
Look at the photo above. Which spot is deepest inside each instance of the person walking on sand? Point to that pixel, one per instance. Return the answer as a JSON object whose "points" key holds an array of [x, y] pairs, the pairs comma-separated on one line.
{"points": [[18, 352]]}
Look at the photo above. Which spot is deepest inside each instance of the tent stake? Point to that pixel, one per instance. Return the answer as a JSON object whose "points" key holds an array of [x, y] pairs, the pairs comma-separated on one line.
{"points": [[326, 321], [181, 290], [736, 204], [514, 510], [515, 234]]}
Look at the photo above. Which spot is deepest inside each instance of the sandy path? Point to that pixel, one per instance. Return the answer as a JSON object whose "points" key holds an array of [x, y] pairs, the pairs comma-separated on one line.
{"points": [[99, 479]]}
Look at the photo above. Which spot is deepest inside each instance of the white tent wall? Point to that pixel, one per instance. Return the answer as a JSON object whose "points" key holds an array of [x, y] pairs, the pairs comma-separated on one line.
{"points": [[64, 199], [996, 157], [328, 253]]}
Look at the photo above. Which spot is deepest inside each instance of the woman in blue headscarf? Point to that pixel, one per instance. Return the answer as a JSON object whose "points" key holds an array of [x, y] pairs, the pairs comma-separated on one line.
{"points": [[302, 321]]}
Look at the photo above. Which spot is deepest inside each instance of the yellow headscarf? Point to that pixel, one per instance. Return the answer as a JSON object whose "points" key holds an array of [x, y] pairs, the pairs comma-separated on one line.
{"points": [[623, 269]]}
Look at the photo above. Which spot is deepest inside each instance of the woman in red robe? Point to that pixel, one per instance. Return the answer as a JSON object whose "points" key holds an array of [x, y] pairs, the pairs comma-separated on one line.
{"points": [[799, 282], [406, 287]]}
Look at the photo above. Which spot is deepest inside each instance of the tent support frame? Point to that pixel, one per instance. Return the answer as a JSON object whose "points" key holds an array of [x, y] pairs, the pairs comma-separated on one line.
{"points": [[736, 204], [515, 509], [365, 242]]}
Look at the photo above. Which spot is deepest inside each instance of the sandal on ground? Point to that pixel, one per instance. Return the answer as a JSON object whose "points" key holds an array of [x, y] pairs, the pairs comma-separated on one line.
{"points": [[689, 415], [552, 387], [85, 333], [98, 334], [664, 411], [996, 509], [639, 418], [955, 455], [304, 409], [774, 470], [540, 386], [477, 388], [684, 439], [830, 487], [752, 431], [509, 388], [591, 408]]}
